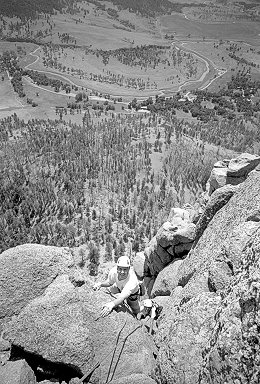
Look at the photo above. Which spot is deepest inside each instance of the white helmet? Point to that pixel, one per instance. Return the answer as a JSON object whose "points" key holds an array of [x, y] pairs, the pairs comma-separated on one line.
{"points": [[148, 303], [123, 261]]}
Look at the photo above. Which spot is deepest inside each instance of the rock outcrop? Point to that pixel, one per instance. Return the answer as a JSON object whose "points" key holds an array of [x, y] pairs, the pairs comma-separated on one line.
{"points": [[184, 227], [213, 313], [61, 328], [232, 352], [217, 200], [26, 271], [173, 240], [233, 171], [16, 372], [167, 279]]}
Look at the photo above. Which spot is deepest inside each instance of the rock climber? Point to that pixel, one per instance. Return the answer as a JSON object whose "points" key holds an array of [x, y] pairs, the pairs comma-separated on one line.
{"points": [[149, 310], [122, 282]]}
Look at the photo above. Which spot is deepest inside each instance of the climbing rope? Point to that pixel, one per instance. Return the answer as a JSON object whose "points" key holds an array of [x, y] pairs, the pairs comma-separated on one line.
{"points": [[97, 364], [120, 353], [113, 351], [118, 335]]}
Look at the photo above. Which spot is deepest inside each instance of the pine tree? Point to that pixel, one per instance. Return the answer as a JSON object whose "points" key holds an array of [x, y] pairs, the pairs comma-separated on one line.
{"points": [[94, 256]]}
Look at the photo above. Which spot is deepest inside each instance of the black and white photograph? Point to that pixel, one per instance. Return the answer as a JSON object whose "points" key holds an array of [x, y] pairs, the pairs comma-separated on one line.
{"points": [[130, 191]]}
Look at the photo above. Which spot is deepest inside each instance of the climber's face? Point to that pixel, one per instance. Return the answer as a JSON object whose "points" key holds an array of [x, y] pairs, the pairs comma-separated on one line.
{"points": [[122, 272]]}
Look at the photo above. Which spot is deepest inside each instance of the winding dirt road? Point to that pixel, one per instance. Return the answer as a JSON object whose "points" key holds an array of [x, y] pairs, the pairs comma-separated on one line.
{"points": [[161, 92]]}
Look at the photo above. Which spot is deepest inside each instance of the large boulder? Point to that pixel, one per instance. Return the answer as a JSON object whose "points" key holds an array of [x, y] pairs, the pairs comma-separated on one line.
{"points": [[167, 279], [175, 232], [26, 271], [63, 327], [173, 240], [208, 281], [16, 372], [233, 171]]}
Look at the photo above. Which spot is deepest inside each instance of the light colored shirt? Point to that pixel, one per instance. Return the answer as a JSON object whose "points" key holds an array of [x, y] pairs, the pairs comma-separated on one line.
{"points": [[128, 286]]}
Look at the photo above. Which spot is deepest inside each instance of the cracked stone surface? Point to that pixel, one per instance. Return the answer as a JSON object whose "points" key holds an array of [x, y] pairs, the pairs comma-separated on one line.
{"points": [[26, 271], [209, 327], [63, 327]]}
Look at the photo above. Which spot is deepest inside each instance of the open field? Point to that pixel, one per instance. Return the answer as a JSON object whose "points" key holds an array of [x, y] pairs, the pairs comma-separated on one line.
{"points": [[77, 35], [221, 53], [20, 48], [8, 98], [181, 27], [174, 67]]}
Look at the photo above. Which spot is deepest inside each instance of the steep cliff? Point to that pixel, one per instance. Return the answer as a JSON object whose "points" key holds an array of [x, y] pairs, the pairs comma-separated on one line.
{"points": [[208, 332]]}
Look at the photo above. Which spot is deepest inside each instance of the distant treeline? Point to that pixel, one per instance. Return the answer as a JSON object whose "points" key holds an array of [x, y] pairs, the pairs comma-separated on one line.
{"points": [[29, 8], [152, 8]]}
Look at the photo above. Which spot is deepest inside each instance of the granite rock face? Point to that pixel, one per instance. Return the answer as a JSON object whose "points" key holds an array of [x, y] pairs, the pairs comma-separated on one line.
{"points": [[232, 353], [208, 327], [217, 200], [167, 279], [180, 354], [173, 241], [63, 327], [17, 372], [134, 379], [26, 271]]}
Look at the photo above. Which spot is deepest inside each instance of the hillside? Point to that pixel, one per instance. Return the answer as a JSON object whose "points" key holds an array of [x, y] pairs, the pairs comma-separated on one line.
{"points": [[29, 8]]}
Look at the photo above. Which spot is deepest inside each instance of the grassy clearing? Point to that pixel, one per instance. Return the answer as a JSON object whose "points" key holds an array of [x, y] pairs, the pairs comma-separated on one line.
{"points": [[117, 78], [8, 98], [21, 49], [182, 27], [22, 113], [219, 52]]}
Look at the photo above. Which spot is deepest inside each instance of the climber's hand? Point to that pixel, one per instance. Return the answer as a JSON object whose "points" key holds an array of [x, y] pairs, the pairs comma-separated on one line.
{"points": [[107, 308]]}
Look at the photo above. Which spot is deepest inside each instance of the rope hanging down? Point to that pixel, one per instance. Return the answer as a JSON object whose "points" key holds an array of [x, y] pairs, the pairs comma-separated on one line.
{"points": [[112, 350], [97, 364]]}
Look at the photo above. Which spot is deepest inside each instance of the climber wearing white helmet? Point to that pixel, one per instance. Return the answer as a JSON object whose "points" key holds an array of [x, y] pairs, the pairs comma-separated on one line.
{"points": [[123, 282], [150, 310]]}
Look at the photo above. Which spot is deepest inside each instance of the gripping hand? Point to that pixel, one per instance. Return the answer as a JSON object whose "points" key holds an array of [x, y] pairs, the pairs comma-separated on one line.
{"points": [[107, 309]]}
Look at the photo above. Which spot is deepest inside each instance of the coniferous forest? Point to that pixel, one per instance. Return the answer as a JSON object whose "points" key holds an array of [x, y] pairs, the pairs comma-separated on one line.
{"points": [[65, 184]]}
